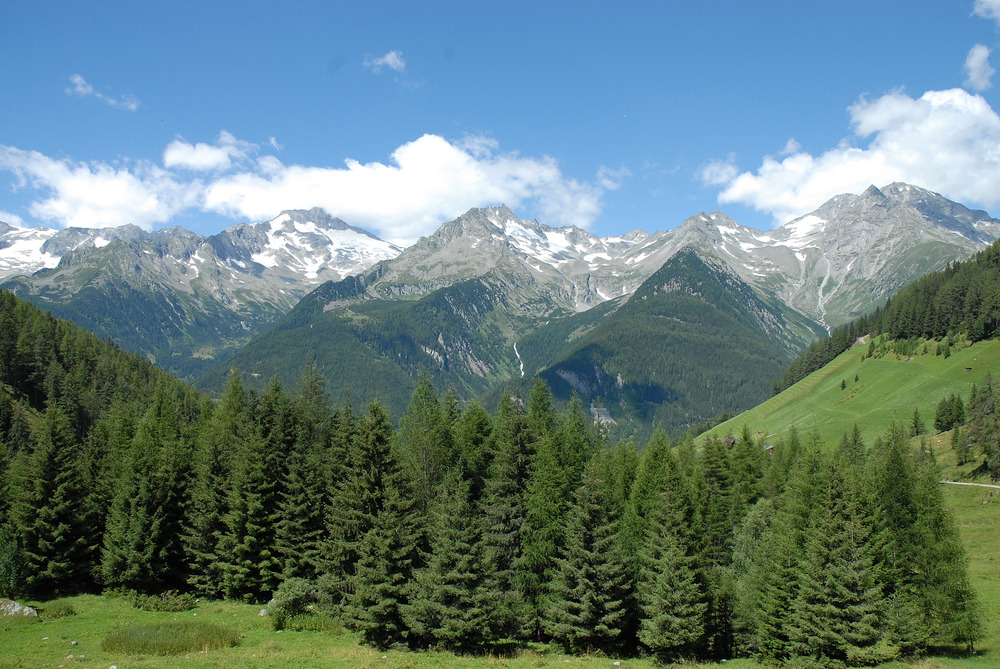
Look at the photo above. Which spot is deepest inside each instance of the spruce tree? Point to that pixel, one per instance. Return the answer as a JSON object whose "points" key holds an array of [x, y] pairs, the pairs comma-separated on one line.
{"points": [[672, 603], [247, 560], [837, 612], [47, 511], [220, 438], [504, 519], [387, 553], [584, 611], [424, 441], [546, 504], [372, 476], [142, 548], [446, 606]]}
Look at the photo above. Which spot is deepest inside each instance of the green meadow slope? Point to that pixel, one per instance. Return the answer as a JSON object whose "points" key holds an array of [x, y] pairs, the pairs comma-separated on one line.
{"points": [[876, 391]]}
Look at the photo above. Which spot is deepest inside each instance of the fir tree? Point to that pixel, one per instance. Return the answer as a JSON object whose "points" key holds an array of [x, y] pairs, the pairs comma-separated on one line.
{"points": [[673, 605], [836, 614], [387, 552], [142, 548], [371, 477], [446, 604], [424, 441], [504, 519], [48, 511], [585, 609]]}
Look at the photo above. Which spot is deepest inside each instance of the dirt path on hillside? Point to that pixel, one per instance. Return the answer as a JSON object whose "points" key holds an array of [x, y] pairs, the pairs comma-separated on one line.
{"points": [[980, 485]]}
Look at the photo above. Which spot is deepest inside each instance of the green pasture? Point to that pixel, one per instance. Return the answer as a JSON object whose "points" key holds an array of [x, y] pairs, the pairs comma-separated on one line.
{"points": [[887, 388]]}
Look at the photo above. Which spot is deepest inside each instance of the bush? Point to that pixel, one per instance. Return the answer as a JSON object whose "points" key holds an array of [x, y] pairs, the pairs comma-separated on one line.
{"points": [[58, 609], [170, 600], [120, 592], [169, 638], [294, 598]]}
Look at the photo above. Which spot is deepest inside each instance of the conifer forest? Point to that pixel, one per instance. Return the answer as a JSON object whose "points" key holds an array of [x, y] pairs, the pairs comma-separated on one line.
{"points": [[468, 529]]}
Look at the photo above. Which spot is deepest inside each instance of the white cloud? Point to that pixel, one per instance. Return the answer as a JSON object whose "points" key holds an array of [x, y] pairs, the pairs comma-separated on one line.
{"points": [[427, 181], [97, 195], [719, 172], [83, 89], [988, 9], [11, 218], [947, 141], [393, 60], [977, 68], [208, 157]]}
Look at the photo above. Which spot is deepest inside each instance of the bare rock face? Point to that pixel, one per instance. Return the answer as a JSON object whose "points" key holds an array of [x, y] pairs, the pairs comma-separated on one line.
{"points": [[9, 607]]}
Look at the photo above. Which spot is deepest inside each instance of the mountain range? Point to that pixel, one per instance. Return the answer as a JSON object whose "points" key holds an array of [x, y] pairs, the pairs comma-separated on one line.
{"points": [[182, 299], [670, 328]]}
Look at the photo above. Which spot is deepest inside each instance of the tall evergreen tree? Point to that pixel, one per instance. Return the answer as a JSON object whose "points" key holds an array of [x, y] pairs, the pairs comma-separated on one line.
{"points": [[220, 438], [504, 518], [585, 610], [446, 606], [424, 440], [142, 548], [47, 511], [836, 614], [387, 552], [372, 474], [672, 603]]}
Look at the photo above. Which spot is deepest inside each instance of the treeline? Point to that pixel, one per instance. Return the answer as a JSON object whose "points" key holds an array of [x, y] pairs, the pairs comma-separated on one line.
{"points": [[962, 299]]}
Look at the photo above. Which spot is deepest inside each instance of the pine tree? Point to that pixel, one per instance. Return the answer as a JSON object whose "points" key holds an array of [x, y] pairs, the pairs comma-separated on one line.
{"points": [[142, 548], [47, 511], [545, 511], [245, 548], [424, 441], [672, 603], [360, 497], [387, 552], [220, 438], [584, 611], [504, 518], [836, 614], [446, 605]]}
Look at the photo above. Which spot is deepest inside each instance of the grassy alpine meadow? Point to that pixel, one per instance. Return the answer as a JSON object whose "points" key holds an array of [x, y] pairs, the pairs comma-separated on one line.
{"points": [[49, 642], [869, 392]]}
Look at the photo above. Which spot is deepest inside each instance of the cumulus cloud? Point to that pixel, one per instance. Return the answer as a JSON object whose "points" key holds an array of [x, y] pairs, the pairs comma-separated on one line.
{"points": [[97, 195], [425, 183], [10, 218], [947, 141], [977, 68], [80, 87], [393, 60], [210, 157], [988, 9]]}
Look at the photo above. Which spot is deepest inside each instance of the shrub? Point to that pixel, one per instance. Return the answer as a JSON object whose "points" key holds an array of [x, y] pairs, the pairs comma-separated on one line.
{"points": [[120, 592], [169, 638], [294, 598], [58, 609], [170, 600]]}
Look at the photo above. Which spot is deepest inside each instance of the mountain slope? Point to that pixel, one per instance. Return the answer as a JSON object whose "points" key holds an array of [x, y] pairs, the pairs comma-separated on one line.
{"points": [[693, 341], [184, 300]]}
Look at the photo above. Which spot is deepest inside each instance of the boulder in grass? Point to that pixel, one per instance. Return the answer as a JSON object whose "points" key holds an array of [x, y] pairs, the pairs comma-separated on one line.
{"points": [[9, 607]]}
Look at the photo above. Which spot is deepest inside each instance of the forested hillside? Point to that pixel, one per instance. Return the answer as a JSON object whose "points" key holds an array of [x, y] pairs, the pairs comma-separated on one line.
{"points": [[462, 529]]}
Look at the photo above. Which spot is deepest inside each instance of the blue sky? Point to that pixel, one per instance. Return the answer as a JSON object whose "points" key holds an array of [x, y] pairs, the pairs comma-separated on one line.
{"points": [[398, 116]]}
